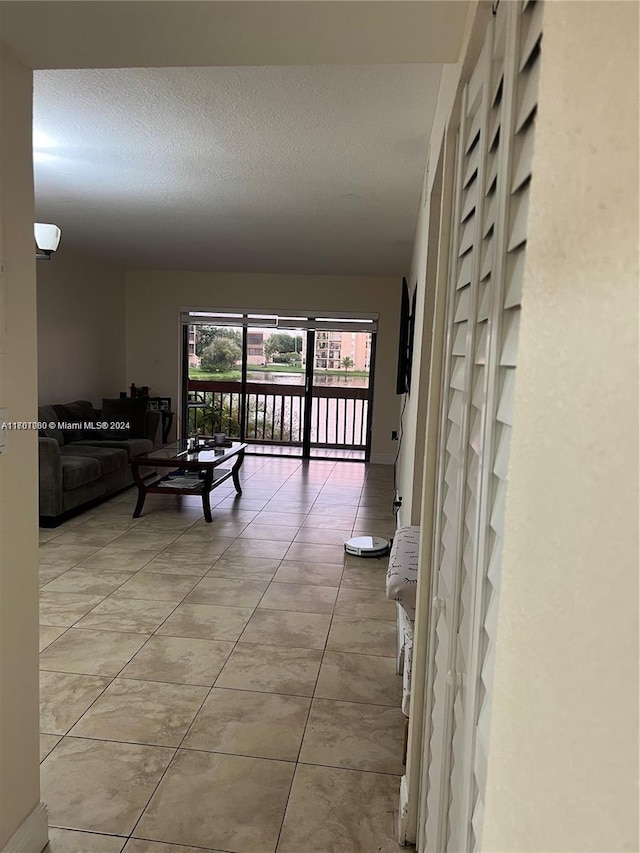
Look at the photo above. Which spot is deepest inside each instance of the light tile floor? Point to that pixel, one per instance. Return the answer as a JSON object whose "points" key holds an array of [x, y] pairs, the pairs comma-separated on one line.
{"points": [[227, 686]]}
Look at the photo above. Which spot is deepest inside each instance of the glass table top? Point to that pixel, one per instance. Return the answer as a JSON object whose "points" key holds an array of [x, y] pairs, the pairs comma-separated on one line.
{"points": [[179, 450]]}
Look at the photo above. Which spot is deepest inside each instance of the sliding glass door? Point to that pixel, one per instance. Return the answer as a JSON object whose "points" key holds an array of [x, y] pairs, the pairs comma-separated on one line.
{"points": [[294, 385], [275, 389]]}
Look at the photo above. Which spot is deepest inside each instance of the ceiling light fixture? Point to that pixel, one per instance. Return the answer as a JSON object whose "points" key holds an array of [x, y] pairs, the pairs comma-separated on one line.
{"points": [[47, 238]]}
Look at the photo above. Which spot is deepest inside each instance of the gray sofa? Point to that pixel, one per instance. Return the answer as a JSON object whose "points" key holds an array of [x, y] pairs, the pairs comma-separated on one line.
{"points": [[81, 463]]}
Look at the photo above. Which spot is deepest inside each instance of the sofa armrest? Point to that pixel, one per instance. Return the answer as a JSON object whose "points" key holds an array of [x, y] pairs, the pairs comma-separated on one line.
{"points": [[50, 476], [153, 427]]}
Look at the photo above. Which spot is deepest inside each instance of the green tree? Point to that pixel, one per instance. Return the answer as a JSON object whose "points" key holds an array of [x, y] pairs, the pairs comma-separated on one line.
{"points": [[347, 362], [281, 342], [206, 335], [221, 354], [292, 358]]}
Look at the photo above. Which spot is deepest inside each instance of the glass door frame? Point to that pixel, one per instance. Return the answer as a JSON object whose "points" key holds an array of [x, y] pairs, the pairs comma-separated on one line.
{"points": [[309, 396], [308, 393]]}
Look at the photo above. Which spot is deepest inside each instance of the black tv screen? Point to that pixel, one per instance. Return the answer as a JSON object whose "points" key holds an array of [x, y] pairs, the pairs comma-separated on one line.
{"points": [[403, 378]]}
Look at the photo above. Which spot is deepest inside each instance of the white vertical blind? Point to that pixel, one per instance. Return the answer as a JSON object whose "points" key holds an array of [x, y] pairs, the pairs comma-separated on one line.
{"points": [[470, 471], [444, 529], [445, 537], [485, 284], [452, 589], [526, 32]]}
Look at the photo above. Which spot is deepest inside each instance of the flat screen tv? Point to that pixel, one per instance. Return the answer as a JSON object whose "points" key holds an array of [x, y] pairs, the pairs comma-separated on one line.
{"points": [[405, 339]]}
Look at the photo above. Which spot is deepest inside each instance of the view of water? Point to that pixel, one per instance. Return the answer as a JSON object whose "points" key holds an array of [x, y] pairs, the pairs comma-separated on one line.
{"points": [[298, 379]]}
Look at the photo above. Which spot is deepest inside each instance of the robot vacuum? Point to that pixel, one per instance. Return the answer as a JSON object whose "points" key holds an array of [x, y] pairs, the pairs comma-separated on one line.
{"points": [[367, 546]]}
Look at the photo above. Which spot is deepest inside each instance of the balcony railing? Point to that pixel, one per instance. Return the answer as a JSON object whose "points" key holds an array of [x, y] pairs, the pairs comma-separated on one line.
{"points": [[274, 414]]}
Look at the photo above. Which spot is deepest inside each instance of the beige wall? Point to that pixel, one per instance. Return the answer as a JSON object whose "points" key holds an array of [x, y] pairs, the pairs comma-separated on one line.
{"points": [[564, 742], [414, 433], [81, 328], [409, 478], [19, 780], [154, 299]]}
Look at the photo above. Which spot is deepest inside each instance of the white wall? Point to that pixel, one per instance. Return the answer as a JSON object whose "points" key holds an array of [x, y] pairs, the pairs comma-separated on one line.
{"points": [[564, 742], [423, 279], [411, 458], [81, 328], [154, 299], [19, 752]]}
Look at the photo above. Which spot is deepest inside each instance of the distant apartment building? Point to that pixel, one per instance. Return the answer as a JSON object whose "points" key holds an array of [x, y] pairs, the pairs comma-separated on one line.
{"points": [[360, 343], [194, 360], [333, 347], [328, 350], [255, 347]]}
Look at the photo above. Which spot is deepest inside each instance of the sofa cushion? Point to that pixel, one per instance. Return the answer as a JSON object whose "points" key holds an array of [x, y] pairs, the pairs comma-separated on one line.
{"points": [[48, 415], [79, 412], [79, 471], [110, 458], [131, 410], [133, 446]]}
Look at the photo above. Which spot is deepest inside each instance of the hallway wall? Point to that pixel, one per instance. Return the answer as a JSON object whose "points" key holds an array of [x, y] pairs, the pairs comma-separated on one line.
{"points": [[81, 328], [19, 750]]}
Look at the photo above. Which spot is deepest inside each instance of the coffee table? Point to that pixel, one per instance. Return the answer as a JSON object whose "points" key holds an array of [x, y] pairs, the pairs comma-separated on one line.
{"points": [[204, 465]]}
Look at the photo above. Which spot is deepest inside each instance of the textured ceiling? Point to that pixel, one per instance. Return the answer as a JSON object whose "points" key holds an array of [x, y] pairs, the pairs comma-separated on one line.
{"points": [[283, 169]]}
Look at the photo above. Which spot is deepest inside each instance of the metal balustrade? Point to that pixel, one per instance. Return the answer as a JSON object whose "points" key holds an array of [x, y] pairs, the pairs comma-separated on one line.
{"points": [[274, 414]]}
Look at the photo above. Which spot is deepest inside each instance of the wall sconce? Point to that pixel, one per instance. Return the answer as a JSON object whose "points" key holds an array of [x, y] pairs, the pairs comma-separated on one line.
{"points": [[47, 240]]}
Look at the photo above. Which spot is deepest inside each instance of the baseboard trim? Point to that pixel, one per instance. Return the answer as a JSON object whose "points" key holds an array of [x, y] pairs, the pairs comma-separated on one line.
{"points": [[32, 836], [402, 813], [382, 459]]}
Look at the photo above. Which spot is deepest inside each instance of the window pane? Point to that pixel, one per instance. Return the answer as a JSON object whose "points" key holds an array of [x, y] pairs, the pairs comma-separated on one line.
{"points": [[215, 377]]}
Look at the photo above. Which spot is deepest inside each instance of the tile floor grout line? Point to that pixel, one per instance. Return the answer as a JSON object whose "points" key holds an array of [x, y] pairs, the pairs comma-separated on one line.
{"points": [[349, 769], [146, 805], [193, 846], [133, 574]]}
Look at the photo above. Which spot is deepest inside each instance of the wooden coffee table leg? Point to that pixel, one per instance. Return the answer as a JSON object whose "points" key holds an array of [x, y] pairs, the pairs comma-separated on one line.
{"points": [[236, 470], [142, 492], [206, 492]]}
